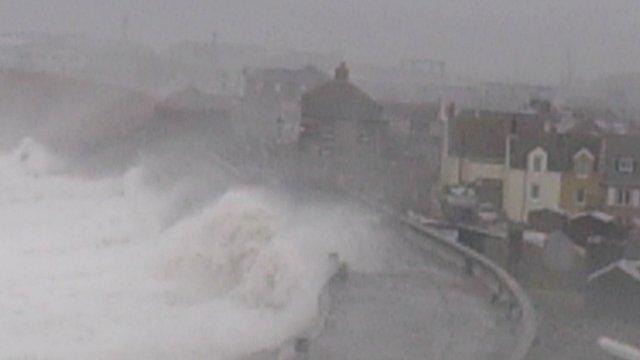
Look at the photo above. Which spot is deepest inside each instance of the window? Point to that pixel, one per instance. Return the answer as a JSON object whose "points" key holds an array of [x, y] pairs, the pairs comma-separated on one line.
{"points": [[581, 196], [537, 160], [534, 192], [625, 165], [623, 197], [537, 163], [583, 167]]}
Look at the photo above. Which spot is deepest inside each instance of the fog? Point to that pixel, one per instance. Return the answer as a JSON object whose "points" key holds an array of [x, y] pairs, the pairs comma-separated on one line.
{"points": [[492, 40], [187, 179], [117, 267]]}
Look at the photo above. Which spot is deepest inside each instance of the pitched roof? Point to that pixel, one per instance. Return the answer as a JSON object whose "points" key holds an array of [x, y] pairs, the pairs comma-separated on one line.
{"points": [[481, 135], [618, 147], [629, 267], [340, 100], [560, 149]]}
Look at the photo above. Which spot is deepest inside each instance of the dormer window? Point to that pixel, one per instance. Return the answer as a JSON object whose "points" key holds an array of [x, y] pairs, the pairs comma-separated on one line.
{"points": [[625, 165], [538, 160], [583, 163], [583, 167], [537, 163]]}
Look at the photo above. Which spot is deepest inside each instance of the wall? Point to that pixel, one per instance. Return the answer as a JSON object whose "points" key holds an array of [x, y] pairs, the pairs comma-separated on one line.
{"points": [[471, 171], [595, 194], [449, 167], [517, 202], [627, 212]]}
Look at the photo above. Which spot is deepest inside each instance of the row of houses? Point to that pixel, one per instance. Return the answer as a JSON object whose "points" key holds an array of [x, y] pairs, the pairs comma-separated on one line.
{"points": [[519, 161], [524, 163]]}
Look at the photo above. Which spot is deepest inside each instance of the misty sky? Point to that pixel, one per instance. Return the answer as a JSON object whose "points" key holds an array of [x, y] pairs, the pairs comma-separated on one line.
{"points": [[493, 39]]}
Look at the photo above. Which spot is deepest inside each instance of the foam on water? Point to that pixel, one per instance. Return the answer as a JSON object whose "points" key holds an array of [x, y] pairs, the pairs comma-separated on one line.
{"points": [[87, 270]]}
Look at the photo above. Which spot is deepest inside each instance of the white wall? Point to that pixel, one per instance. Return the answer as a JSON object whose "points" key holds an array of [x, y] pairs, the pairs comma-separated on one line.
{"points": [[471, 171], [517, 200]]}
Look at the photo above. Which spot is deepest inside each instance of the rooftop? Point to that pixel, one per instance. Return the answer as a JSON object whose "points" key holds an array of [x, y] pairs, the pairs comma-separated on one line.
{"points": [[629, 267], [560, 148]]}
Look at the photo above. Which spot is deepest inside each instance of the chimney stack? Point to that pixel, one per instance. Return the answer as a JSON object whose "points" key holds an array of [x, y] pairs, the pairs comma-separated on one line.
{"points": [[342, 72]]}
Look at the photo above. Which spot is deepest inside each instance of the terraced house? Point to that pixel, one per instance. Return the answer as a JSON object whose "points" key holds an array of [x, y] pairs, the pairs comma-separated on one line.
{"points": [[521, 164], [553, 171], [621, 175], [475, 147]]}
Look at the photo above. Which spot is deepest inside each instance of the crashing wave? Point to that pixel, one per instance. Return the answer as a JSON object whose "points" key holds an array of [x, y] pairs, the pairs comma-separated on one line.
{"points": [[86, 263], [233, 249]]}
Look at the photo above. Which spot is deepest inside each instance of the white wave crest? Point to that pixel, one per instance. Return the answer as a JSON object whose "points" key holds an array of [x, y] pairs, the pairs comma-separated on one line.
{"points": [[86, 270]]}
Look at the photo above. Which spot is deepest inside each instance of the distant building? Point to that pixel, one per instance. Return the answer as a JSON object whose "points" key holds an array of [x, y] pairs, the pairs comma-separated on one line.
{"points": [[278, 85], [412, 150], [191, 107], [495, 96], [475, 146], [272, 96], [339, 117], [412, 121]]}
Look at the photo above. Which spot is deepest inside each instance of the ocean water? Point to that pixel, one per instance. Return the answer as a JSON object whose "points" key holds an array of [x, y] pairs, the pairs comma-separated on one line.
{"points": [[88, 269]]}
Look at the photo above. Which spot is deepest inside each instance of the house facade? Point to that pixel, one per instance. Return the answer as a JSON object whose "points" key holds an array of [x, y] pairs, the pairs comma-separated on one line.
{"points": [[620, 173], [475, 148], [553, 171], [581, 182], [337, 118], [532, 180]]}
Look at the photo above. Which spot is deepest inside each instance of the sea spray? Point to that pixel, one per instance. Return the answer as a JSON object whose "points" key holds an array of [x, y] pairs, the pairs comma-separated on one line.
{"points": [[89, 270]]}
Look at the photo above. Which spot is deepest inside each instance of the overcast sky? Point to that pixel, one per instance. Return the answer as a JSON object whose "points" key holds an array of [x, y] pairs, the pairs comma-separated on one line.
{"points": [[529, 40]]}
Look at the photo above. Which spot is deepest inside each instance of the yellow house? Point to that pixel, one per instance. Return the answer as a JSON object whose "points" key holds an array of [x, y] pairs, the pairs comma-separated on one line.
{"points": [[581, 183]]}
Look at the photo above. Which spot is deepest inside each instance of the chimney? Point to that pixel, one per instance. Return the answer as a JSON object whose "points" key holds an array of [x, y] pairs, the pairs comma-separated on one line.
{"points": [[342, 72]]}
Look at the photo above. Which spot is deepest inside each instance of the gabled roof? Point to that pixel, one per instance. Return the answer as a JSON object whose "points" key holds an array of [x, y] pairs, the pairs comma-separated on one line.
{"points": [[481, 135], [340, 100], [628, 267], [560, 148]]}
